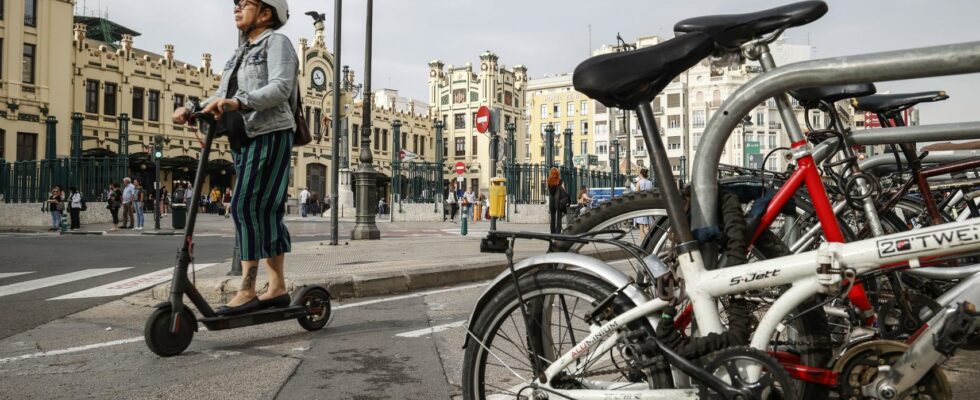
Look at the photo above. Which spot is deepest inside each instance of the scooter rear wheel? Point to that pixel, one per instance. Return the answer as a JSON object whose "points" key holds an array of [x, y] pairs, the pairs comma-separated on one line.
{"points": [[317, 303], [160, 340]]}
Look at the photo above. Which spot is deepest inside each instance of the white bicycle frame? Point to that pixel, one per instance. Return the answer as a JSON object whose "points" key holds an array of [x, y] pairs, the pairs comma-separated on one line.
{"points": [[705, 287]]}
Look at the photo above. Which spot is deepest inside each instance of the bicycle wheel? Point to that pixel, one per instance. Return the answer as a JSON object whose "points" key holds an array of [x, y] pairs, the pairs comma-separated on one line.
{"points": [[497, 362]]}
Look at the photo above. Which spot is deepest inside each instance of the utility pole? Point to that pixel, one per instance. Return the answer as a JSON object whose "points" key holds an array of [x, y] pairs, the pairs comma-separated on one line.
{"points": [[335, 139]]}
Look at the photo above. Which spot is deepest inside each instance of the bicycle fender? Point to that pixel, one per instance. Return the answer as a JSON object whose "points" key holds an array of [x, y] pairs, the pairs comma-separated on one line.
{"points": [[568, 260]]}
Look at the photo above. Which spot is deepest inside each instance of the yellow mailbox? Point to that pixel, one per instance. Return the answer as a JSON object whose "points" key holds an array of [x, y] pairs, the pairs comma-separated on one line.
{"points": [[498, 197]]}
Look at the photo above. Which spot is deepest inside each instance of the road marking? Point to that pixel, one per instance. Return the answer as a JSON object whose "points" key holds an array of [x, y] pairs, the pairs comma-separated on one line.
{"points": [[10, 274], [431, 330], [70, 350], [128, 285], [409, 296], [55, 280]]}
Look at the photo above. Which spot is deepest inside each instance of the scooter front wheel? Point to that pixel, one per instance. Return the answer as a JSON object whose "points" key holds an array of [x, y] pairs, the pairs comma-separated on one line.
{"points": [[317, 303], [158, 337]]}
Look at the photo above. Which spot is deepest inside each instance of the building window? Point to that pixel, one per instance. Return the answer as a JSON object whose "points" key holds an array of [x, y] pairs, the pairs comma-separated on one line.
{"points": [[816, 120], [384, 140], [154, 105], [459, 121], [92, 96], [3, 133], [137, 103], [26, 146], [178, 101], [557, 110], [584, 107], [716, 98], [1, 19], [674, 100], [460, 146], [317, 126], [459, 96], [699, 98], [28, 68], [544, 111], [475, 144], [584, 147], [445, 147], [698, 117], [760, 118], [508, 98], [571, 109], [570, 126], [585, 127], [543, 128], [377, 138], [30, 12], [772, 141], [601, 148], [673, 121]]}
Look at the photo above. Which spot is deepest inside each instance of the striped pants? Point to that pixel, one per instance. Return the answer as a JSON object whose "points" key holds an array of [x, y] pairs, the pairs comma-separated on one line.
{"points": [[259, 202]]}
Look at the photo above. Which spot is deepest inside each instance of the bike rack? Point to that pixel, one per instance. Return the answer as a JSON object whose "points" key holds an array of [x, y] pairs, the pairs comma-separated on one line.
{"points": [[952, 59]]}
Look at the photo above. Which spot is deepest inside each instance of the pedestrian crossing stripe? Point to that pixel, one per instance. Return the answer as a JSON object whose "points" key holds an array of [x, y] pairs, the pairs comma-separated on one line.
{"points": [[128, 285], [12, 274], [27, 286]]}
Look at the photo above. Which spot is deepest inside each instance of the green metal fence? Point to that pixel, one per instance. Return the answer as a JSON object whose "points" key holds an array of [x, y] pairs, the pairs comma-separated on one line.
{"points": [[30, 181], [416, 182], [528, 183]]}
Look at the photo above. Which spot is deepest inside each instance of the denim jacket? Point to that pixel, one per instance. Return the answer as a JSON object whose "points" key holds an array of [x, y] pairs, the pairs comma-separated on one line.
{"points": [[267, 83]]}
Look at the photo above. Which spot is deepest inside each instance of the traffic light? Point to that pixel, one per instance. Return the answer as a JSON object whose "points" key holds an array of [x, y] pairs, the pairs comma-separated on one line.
{"points": [[157, 147]]}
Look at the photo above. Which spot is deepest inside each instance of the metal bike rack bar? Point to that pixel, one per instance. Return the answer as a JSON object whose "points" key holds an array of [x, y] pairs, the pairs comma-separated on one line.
{"points": [[919, 133], [923, 62]]}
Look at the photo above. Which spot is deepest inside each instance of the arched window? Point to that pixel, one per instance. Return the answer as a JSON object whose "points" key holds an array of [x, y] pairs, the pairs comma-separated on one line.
{"points": [[716, 98], [699, 97]]}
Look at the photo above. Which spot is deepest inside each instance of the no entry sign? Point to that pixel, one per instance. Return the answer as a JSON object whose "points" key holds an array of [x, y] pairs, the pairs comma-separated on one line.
{"points": [[483, 119], [460, 168]]}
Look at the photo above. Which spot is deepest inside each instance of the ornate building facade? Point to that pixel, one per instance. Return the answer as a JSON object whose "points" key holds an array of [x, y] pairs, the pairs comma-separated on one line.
{"points": [[455, 95]]}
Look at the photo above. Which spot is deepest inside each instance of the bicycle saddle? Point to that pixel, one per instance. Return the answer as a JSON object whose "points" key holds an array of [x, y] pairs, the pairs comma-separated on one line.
{"points": [[885, 103], [810, 97], [733, 30], [626, 79]]}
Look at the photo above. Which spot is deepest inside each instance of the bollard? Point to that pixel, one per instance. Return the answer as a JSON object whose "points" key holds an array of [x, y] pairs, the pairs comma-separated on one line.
{"points": [[64, 219], [236, 260], [462, 225]]}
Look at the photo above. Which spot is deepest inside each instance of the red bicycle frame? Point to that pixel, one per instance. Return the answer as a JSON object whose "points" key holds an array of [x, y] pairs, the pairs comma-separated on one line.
{"points": [[806, 172]]}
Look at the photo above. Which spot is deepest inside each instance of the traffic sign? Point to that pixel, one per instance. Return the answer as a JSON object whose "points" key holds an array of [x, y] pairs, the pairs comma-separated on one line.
{"points": [[483, 119], [460, 168]]}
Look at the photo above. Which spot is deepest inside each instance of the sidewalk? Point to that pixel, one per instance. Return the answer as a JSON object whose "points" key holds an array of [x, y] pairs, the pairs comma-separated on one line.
{"points": [[369, 268]]}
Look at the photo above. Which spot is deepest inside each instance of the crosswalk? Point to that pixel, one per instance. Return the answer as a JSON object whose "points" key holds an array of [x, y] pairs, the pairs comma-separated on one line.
{"points": [[118, 288]]}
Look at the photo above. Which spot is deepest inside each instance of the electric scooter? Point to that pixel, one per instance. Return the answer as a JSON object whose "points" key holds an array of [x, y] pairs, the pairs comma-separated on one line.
{"points": [[171, 326]]}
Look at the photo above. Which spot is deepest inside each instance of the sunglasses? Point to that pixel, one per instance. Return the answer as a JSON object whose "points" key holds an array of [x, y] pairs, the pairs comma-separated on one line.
{"points": [[243, 4]]}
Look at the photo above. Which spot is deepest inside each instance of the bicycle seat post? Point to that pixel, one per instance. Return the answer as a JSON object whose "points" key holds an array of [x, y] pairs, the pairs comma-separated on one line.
{"points": [[759, 50]]}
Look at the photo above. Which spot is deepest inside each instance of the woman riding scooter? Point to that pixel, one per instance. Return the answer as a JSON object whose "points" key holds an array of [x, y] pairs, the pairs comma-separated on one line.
{"points": [[253, 106]]}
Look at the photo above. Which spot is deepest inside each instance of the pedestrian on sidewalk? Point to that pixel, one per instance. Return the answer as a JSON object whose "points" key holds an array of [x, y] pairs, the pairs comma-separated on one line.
{"points": [[644, 184], [469, 201], [128, 202], [56, 206], [188, 194], [304, 197], [77, 206], [558, 200], [381, 207], [451, 199], [258, 96], [164, 201], [215, 200], [113, 204], [139, 199], [226, 200]]}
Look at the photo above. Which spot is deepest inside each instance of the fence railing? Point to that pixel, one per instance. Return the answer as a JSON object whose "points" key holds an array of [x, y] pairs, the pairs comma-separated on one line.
{"points": [[31, 181], [419, 182]]}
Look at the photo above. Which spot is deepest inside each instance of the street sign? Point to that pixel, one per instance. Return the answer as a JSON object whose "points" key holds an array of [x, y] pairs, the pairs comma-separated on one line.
{"points": [[406, 155], [751, 147], [483, 119], [460, 168], [755, 161], [460, 179]]}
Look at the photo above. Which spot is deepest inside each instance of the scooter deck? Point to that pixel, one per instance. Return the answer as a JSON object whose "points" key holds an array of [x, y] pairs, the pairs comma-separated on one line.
{"points": [[254, 318]]}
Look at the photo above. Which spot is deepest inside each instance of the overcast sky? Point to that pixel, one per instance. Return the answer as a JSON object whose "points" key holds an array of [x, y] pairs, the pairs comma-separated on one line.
{"points": [[553, 36]]}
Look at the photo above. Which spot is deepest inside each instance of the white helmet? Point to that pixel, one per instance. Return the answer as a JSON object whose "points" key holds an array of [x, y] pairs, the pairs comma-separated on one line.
{"points": [[281, 7]]}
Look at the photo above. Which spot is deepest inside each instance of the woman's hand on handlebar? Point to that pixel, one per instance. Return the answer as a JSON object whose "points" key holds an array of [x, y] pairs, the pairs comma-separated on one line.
{"points": [[221, 106], [181, 115]]}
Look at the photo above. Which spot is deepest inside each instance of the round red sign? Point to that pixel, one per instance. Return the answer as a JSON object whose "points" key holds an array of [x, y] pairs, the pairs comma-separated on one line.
{"points": [[460, 168], [483, 119]]}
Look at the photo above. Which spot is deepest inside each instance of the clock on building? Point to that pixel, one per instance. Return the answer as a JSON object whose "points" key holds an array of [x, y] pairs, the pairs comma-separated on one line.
{"points": [[319, 79]]}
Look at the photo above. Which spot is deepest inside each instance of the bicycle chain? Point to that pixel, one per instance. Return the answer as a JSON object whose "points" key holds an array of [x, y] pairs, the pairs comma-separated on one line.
{"points": [[599, 372]]}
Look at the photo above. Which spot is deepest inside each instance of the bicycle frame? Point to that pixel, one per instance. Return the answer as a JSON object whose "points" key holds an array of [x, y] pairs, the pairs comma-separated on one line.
{"points": [[705, 287]]}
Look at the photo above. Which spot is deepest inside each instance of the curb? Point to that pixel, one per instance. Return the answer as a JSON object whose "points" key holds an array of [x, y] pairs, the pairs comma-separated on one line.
{"points": [[219, 290], [84, 233], [162, 232]]}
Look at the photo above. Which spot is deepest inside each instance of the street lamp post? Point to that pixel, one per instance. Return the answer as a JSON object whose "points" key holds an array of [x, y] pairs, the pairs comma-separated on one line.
{"points": [[335, 139], [396, 162], [683, 171], [440, 167], [614, 159], [549, 143], [157, 156], [365, 227]]}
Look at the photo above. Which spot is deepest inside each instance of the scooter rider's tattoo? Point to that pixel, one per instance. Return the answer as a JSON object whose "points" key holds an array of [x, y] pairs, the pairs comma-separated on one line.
{"points": [[248, 281]]}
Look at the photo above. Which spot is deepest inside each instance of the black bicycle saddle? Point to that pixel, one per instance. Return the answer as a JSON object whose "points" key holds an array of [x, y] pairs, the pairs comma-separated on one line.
{"points": [[732, 30]]}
